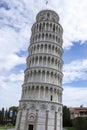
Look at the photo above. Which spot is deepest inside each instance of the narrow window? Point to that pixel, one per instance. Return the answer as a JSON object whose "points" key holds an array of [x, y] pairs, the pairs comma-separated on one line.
{"points": [[30, 127], [51, 97]]}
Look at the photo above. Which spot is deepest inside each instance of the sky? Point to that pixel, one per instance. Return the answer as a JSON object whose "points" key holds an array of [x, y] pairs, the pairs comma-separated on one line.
{"points": [[16, 20]]}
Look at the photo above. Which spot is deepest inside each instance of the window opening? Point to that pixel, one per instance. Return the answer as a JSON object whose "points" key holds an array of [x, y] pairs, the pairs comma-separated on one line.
{"points": [[51, 97]]}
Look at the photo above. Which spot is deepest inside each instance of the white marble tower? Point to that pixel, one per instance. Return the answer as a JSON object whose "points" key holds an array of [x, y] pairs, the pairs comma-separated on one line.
{"points": [[41, 102]]}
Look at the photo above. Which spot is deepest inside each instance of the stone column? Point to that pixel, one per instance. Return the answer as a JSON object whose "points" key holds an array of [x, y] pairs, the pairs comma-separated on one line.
{"points": [[26, 119], [61, 121], [44, 93], [18, 121], [45, 76], [46, 125], [55, 122], [34, 91], [39, 92], [36, 122]]}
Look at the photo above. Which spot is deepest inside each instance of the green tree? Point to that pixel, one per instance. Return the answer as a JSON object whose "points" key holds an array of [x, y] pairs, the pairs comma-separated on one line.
{"points": [[14, 111], [66, 117], [2, 116], [6, 118]]}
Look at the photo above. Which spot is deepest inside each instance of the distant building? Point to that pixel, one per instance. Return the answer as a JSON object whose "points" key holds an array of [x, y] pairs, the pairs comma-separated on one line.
{"points": [[78, 112]]}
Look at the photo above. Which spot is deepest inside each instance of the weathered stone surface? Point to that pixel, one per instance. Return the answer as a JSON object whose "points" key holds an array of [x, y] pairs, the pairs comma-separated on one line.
{"points": [[40, 106]]}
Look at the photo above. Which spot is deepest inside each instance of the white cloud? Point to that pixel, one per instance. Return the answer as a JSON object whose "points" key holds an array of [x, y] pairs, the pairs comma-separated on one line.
{"points": [[10, 61], [73, 18], [74, 96], [10, 89], [10, 93], [75, 70], [12, 77], [16, 77], [74, 24]]}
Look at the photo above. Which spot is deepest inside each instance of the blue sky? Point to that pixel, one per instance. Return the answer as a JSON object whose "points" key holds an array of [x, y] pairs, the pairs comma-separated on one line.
{"points": [[16, 20]]}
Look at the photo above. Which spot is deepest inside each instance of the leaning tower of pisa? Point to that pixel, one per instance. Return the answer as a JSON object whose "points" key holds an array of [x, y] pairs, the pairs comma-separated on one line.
{"points": [[40, 107]]}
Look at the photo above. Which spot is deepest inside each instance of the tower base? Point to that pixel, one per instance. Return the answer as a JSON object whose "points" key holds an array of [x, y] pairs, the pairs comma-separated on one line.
{"points": [[36, 115]]}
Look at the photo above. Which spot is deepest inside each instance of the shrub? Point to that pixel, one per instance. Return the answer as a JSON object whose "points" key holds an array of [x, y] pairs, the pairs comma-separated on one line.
{"points": [[80, 123]]}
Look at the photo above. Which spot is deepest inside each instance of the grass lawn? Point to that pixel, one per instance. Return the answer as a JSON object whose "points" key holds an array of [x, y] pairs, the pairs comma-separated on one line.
{"points": [[8, 127], [70, 128]]}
